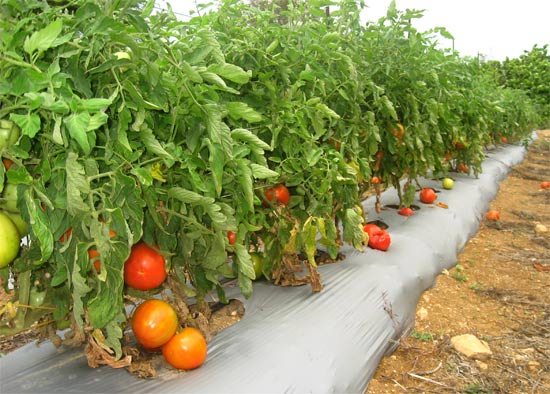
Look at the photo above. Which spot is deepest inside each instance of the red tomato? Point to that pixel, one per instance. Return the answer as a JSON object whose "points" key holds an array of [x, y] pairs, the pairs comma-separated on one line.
{"points": [[380, 241], [186, 350], [279, 193], [231, 237], [145, 268], [462, 168], [93, 254], [154, 323], [504, 140], [371, 229], [493, 215], [398, 131], [7, 163], [545, 185], [378, 238], [427, 195], [375, 180], [65, 237], [406, 211]]}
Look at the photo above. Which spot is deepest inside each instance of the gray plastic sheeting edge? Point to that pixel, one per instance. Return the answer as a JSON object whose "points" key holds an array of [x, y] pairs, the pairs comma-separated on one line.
{"points": [[293, 341]]}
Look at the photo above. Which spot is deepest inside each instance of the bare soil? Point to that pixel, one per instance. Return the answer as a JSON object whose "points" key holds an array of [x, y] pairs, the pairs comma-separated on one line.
{"points": [[499, 291]]}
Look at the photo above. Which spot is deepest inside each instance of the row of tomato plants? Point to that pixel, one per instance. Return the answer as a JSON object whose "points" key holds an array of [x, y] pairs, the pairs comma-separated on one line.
{"points": [[244, 135]]}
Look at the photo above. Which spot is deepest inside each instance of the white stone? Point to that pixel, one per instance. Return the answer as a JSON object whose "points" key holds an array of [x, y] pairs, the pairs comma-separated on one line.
{"points": [[471, 347]]}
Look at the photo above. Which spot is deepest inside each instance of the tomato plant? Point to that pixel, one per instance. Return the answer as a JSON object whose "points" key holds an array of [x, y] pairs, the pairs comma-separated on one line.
{"points": [[427, 195], [186, 350], [154, 323], [9, 247], [145, 269]]}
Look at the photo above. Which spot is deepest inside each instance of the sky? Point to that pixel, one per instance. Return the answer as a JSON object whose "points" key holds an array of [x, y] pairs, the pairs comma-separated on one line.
{"points": [[492, 29]]}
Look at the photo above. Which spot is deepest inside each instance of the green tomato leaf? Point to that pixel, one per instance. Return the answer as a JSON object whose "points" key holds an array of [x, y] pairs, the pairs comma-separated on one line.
{"points": [[238, 110], [77, 185], [43, 39], [244, 175], [78, 124], [231, 72], [29, 123], [261, 172]]}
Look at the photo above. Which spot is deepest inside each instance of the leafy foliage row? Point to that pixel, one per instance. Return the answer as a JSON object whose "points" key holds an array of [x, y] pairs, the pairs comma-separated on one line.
{"points": [[170, 132]]}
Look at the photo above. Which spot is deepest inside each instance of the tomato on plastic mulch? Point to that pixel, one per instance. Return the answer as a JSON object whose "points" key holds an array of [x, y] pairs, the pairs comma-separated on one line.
{"points": [[427, 195], [186, 350], [378, 239], [145, 269], [154, 323]]}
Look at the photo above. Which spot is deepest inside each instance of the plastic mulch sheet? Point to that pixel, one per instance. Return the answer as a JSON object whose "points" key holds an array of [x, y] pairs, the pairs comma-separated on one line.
{"points": [[291, 340]]}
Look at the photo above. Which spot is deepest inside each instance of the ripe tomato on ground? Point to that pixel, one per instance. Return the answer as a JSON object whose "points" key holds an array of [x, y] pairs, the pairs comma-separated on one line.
{"points": [[145, 268], [493, 215], [427, 195], [186, 350], [545, 185], [405, 211], [378, 238], [278, 193], [154, 323]]}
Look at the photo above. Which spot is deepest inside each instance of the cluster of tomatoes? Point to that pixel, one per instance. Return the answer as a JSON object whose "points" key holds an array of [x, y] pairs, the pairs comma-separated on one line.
{"points": [[155, 324], [12, 226]]}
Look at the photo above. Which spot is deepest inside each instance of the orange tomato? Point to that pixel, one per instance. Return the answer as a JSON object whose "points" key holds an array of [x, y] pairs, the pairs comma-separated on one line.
{"points": [[65, 237], [427, 195], [186, 350], [545, 185], [7, 163], [398, 131], [154, 323], [493, 215], [375, 180]]}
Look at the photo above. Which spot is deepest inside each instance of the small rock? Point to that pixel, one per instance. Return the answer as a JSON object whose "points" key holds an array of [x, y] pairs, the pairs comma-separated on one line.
{"points": [[422, 313], [533, 365], [540, 229], [481, 365], [471, 347]]}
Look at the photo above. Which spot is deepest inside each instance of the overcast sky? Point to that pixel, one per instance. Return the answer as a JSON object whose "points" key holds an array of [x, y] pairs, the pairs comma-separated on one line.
{"points": [[495, 29]]}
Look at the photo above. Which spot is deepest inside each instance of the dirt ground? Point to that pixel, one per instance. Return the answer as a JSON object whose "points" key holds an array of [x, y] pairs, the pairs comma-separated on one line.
{"points": [[499, 292]]}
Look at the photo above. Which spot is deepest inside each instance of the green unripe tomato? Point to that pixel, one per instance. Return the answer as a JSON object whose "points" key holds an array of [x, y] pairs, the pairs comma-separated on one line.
{"points": [[8, 201], [448, 183], [10, 241], [257, 263], [9, 133], [19, 223]]}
